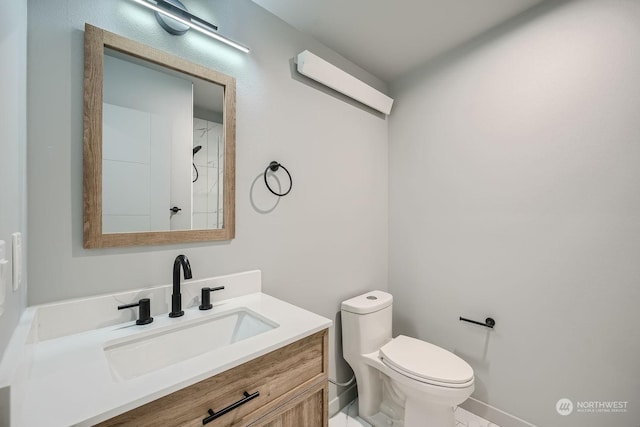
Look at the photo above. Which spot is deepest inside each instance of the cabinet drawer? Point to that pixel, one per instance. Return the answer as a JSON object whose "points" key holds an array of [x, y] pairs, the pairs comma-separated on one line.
{"points": [[277, 376], [306, 410]]}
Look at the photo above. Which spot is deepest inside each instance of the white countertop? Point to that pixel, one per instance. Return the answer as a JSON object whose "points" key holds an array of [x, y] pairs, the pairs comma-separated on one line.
{"points": [[67, 381]]}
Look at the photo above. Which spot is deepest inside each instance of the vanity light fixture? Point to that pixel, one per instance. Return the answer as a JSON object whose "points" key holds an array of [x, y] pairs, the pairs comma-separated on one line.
{"points": [[180, 14]]}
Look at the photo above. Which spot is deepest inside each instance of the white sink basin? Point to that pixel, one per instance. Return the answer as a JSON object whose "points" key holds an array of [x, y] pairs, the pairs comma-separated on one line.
{"points": [[136, 356]]}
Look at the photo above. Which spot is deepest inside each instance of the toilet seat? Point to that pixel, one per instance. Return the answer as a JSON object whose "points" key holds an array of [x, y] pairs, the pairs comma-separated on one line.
{"points": [[425, 362]]}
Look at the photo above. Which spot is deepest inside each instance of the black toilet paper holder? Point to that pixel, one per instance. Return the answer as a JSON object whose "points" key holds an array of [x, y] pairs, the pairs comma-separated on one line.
{"points": [[488, 322]]}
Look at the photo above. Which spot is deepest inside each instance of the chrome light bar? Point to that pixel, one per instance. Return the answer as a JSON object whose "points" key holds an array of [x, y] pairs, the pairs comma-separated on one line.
{"points": [[183, 16]]}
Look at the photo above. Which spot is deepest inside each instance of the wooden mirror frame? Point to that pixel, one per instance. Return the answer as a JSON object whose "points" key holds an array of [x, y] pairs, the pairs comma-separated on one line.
{"points": [[95, 42]]}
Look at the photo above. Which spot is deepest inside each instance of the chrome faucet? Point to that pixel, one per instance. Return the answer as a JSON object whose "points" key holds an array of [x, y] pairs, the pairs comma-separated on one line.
{"points": [[176, 297]]}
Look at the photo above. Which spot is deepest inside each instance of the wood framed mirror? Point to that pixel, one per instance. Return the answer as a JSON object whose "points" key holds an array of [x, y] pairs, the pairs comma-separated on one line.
{"points": [[159, 146]]}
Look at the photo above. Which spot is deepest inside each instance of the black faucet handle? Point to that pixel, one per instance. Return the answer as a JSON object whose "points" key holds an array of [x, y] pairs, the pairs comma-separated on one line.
{"points": [[144, 314], [205, 298]]}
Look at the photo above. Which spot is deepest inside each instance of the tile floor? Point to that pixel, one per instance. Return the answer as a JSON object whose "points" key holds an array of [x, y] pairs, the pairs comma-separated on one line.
{"points": [[467, 419], [348, 417]]}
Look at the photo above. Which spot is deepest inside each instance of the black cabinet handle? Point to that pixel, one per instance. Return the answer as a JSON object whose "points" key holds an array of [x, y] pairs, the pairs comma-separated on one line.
{"points": [[175, 209], [213, 415]]}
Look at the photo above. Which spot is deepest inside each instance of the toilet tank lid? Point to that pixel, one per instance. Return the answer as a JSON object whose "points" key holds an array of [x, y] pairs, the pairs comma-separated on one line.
{"points": [[368, 303]]}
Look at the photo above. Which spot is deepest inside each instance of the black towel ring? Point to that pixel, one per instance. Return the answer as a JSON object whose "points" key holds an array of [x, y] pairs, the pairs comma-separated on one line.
{"points": [[274, 166]]}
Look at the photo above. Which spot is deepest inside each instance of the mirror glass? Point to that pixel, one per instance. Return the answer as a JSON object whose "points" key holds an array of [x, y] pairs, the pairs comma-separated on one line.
{"points": [[159, 146], [162, 148]]}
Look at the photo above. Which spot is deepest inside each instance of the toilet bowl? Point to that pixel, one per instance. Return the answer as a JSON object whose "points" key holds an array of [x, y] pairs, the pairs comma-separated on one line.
{"points": [[402, 381]]}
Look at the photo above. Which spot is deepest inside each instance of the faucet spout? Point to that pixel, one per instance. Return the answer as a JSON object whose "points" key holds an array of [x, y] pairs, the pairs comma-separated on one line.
{"points": [[176, 296]]}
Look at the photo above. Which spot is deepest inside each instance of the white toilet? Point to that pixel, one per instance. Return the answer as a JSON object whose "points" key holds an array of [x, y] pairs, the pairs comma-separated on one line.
{"points": [[402, 381]]}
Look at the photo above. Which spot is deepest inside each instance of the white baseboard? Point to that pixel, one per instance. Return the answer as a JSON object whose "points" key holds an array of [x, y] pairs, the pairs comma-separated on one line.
{"points": [[495, 415], [342, 400]]}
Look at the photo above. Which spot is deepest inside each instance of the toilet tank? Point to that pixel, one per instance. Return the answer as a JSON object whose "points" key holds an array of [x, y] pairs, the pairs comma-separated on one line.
{"points": [[366, 323]]}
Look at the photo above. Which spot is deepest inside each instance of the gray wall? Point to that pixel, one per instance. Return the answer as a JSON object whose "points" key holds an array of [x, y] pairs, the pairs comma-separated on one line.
{"points": [[325, 242], [13, 145], [515, 192]]}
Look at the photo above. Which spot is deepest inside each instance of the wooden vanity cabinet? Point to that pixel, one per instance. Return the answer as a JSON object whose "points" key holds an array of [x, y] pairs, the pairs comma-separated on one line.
{"points": [[291, 382]]}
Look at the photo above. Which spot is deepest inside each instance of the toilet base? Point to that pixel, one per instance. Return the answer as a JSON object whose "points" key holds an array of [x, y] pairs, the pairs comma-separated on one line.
{"points": [[422, 414], [417, 414], [382, 420], [404, 402]]}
